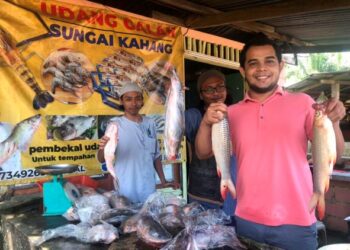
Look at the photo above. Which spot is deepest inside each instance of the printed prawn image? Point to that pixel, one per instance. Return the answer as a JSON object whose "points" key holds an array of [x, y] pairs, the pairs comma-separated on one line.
{"points": [[123, 67], [66, 74], [158, 81], [13, 58], [68, 128], [116, 70]]}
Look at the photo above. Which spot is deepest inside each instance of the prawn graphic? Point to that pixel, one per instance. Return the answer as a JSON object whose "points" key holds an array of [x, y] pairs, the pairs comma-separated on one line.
{"points": [[13, 58]]}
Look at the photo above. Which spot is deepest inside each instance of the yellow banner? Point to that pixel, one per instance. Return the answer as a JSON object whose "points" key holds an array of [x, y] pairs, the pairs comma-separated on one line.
{"points": [[66, 63]]}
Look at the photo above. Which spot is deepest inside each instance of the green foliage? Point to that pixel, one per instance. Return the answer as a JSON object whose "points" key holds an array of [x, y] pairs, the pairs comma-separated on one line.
{"points": [[316, 63]]}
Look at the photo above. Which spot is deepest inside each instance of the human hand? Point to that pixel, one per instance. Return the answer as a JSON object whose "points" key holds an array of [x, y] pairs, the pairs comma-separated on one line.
{"points": [[335, 110], [103, 141], [215, 113], [174, 185], [9, 150]]}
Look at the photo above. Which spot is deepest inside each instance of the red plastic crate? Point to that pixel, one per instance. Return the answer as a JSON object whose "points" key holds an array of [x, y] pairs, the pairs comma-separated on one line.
{"points": [[84, 180]]}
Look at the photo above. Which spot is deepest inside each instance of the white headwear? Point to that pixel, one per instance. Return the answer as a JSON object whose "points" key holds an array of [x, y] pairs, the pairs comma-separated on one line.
{"points": [[129, 87]]}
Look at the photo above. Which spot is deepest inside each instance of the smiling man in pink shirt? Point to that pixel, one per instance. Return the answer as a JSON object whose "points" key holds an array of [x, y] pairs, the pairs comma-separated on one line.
{"points": [[269, 130]]}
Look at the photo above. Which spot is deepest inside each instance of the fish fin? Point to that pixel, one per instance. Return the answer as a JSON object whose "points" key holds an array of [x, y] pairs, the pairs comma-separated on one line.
{"points": [[326, 186], [219, 172], [313, 202], [231, 188], [223, 192], [318, 200], [227, 186], [321, 207]]}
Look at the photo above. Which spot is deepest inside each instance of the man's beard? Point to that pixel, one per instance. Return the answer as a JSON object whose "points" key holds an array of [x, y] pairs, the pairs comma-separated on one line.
{"points": [[264, 90]]}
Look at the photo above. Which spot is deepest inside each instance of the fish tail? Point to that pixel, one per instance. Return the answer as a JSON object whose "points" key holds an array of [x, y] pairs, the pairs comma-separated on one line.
{"points": [[227, 186], [317, 200], [219, 172], [326, 185], [321, 207]]}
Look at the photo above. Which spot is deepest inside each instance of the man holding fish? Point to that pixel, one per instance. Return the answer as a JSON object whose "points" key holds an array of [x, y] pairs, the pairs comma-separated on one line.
{"points": [[133, 156], [269, 131], [204, 184]]}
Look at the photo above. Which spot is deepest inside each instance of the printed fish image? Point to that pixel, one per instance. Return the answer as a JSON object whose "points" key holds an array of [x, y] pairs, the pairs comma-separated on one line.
{"points": [[12, 57], [21, 134], [109, 151], [174, 118], [323, 156], [222, 151], [75, 127]]}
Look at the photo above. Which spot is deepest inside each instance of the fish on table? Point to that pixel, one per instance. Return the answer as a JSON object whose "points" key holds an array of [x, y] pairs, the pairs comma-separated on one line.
{"points": [[174, 118], [324, 154], [152, 232], [221, 146]]}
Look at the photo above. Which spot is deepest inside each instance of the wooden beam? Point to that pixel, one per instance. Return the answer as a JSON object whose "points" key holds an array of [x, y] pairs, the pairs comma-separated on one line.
{"points": [[267, 11], [268, 30], [333, 82], [167, 18], [189, 6]]}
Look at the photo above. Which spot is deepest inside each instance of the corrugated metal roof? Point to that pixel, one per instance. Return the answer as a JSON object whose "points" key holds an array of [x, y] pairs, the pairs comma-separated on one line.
{"points": [[300, 23], [316, 83]]}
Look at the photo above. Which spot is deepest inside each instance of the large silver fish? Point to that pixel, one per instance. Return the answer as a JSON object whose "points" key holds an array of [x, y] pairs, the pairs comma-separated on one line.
{"points": [[174, 119], [324, 155], [21, 134], [109, 151], [221, 145]]}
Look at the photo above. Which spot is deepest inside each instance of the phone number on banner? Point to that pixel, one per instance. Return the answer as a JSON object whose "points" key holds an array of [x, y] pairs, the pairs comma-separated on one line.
{"points": [[29, 173]]}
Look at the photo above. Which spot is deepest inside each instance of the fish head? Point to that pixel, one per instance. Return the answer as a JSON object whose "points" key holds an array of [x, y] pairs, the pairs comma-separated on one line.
{"points": [[67, 131], [24, 131]]}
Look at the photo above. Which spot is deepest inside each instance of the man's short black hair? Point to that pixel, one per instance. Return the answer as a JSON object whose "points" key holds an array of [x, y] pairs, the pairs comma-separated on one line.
{"points": [[259, 40]]}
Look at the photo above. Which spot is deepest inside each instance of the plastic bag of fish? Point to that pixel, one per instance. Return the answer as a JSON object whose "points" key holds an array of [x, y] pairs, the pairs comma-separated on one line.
{"points": [[84, 232]]}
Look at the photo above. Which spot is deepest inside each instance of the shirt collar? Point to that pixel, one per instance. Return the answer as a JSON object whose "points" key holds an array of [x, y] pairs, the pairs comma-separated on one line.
{"points": [[279, 91]]}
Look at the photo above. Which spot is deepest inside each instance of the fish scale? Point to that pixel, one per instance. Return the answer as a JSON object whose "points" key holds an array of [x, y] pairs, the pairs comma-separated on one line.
{"points": [[221, 146]]}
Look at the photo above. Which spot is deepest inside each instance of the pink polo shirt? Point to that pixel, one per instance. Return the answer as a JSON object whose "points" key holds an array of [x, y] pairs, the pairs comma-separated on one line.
{"points": [[274, 182]]}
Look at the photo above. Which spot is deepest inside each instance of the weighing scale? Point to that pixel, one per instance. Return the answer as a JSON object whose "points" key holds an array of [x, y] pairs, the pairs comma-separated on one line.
{"points": [[55, 197]]}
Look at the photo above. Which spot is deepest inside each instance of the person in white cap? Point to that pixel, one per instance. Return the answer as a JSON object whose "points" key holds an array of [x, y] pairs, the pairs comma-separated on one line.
{"points": [[137, 154]]}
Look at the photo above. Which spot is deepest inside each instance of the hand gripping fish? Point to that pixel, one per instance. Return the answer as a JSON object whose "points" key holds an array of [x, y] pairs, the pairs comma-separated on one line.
{"points": [[323, 156], [15, 61], [109, 151], [174, 118], [221, 145], [21, 135]]}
